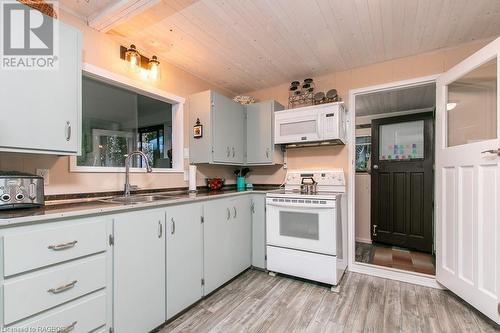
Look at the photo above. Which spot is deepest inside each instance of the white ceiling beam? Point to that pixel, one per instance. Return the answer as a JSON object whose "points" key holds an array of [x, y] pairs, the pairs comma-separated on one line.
{"points": [[118, 13]]}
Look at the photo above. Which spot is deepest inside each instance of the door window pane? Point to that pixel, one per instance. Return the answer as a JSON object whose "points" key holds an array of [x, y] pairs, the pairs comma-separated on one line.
{"points": [[299, 225], [402, 141], [472, 106], [363, 152]]}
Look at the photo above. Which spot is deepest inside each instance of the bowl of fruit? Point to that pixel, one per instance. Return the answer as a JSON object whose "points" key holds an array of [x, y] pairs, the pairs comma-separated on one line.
{"points": [[215, 184]]}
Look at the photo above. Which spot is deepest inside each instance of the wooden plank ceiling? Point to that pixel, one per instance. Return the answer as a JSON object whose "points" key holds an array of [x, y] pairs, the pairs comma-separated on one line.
{"points": [[245, 45], [403, 99]]}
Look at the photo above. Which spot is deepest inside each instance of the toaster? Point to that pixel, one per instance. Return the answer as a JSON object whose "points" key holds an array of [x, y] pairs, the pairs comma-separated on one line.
{"points": [[20, 190]]}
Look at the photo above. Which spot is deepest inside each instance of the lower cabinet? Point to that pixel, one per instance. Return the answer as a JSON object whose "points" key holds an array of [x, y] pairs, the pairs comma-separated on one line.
{"points": [[259, 231], [227, 240], [139, 271], [184, 257]]}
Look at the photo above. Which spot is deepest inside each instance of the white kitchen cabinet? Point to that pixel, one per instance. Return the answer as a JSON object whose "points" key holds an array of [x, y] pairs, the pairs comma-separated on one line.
{"points": [[223, 140], [240, 234], [261, 149], [184, 257], [139, 271], [41, 109], [258, 230], [227, 240]]}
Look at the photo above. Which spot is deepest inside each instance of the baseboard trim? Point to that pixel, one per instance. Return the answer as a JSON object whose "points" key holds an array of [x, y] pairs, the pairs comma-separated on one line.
{"points": [[363, 240]]}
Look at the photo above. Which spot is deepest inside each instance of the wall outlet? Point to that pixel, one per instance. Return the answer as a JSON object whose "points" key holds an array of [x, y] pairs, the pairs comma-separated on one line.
{"points": [[45, 173]]}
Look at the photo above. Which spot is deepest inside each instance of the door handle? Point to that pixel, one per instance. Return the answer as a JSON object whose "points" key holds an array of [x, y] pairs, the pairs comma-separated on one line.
{"points": [[160, 229], [375, 167], [234, 152], [68, 131], [228, 214], [492, 151], [173, 226]]}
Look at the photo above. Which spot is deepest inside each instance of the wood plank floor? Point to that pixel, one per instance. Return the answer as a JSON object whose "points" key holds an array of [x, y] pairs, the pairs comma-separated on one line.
{"points": [[257, 302]]}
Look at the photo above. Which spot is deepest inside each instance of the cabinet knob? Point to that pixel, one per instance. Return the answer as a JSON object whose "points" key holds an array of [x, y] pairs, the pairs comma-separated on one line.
{"points": [[68, 131]]}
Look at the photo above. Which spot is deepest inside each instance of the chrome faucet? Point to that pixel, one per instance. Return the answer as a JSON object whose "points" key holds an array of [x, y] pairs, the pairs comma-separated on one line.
{"points": [[127, 169]]}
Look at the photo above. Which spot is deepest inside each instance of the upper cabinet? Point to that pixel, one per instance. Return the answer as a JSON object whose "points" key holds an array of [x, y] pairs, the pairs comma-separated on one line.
{"points": [[232, 134], [41, 109], [260, 134]]}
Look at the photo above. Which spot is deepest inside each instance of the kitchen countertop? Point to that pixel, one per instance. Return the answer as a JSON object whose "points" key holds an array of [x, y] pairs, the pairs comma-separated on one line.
{"points": [[95, 206]]}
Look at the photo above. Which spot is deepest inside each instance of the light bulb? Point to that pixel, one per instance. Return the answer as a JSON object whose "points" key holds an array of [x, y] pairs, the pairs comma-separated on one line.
{"points": [[154, 68]]}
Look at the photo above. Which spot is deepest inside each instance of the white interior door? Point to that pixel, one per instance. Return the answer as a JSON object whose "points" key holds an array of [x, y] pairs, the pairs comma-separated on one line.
{"points": [[468, 180]]}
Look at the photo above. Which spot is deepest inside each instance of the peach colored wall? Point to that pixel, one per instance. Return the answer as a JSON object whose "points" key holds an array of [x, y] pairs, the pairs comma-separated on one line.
{"points": [[103, 51], [390, 71]]}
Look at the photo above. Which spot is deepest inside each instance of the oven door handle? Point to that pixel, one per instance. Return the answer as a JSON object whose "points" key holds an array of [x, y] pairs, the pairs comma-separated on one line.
{"points": [[313, 206]]}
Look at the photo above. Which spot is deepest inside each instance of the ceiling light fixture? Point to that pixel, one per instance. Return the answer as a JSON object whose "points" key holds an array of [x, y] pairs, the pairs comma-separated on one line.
{"points": [[146, 67], [450, 106]]}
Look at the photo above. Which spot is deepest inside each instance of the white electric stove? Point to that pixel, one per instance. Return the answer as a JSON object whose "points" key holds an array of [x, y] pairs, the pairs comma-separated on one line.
{"points": [[306, 234]]}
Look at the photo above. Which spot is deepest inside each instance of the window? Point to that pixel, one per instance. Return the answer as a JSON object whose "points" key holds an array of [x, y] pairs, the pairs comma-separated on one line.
{"points": [[363, 153], [117, 121]]}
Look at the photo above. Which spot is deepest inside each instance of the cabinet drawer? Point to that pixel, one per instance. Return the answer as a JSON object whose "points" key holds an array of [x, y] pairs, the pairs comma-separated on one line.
{"points": [[25, 251], [82, 316], [27, 295]]}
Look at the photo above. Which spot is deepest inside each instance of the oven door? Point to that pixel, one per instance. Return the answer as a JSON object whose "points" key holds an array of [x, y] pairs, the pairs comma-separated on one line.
{"points": [[296, 127], [308, 227]]}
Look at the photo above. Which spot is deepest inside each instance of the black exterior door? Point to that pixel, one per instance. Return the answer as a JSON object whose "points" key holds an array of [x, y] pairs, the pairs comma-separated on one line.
{"points": [[402, 181]]}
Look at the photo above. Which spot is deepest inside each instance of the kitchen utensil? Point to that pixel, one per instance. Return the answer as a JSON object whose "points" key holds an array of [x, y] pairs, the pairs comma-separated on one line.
{"points": [[215, 183], [244, 172], [308, 185]]}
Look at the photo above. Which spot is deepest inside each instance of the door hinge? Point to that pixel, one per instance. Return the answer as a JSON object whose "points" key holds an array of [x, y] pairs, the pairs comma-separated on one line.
{"points": [[202, 282], [202, 219], [374, 230], [111, 240]]}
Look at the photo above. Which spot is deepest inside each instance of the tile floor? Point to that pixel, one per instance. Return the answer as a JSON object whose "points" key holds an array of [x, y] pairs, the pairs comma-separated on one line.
{"points": [[395, 257]]}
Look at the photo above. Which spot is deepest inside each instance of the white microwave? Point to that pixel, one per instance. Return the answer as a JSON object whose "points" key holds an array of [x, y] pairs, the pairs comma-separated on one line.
{"points": [[312, 125]]}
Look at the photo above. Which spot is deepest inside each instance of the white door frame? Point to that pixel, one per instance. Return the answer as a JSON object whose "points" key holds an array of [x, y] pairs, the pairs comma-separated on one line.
{"points": [[364, 268]]}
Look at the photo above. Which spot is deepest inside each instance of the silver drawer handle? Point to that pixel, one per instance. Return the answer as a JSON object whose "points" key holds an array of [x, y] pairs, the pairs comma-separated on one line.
{"points": [[228, 214], [160, 229], [235, 213], [173, 226], [63, 246], [62, 288], [67, 328]]}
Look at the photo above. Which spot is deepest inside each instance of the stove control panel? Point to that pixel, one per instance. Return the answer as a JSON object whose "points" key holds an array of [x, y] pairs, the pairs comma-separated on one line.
{"points": [[322, 177]]}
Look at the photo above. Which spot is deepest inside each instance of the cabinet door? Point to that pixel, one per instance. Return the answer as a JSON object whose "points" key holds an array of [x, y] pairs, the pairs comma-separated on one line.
{"points": [[259, 231], [240, 237], [216, 258], [41, 109], [184, 257], [228, 130], [259, 133], [139, 271]]}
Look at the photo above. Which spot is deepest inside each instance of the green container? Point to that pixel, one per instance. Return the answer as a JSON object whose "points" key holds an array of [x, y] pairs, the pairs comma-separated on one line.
{"points": [[240, 183]]}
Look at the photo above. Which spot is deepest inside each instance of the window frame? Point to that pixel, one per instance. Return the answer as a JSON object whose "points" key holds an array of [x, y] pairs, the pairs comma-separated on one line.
{"points": [[145, 89]]}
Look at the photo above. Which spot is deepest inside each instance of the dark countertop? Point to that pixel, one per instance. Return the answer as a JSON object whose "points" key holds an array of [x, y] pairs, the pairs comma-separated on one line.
{"points": [[93, 205]]}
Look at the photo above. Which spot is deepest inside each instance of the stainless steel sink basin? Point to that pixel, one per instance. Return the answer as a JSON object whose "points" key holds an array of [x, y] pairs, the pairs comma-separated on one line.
{"points": [[139, 199]]}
